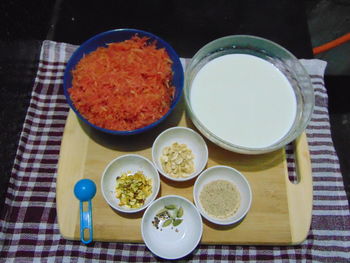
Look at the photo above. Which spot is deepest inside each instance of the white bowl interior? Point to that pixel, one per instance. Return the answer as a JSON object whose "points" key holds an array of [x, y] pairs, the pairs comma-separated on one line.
{"points": [[285, 63], [168, 243], [230, 174], [192, 139], [123, 164]]}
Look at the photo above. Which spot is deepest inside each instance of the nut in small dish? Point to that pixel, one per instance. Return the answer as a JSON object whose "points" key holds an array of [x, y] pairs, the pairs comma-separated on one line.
{"points": [[133, 189], [179, 153], [130, 183], [177, 160]]}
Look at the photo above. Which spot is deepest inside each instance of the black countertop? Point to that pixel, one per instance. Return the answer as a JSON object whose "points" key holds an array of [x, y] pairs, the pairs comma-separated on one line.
{"points": [[186, 25]]}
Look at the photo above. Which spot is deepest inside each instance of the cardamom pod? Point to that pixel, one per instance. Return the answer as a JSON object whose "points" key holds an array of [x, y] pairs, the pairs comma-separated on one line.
{"points": [[170, 207], [167, 222], [177, 222], [180, 212]]}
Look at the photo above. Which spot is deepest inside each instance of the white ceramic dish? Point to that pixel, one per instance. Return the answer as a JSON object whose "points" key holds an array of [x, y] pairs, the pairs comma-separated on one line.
{"points": [[172, 242], [230, 174], [120, 165], [192, 139]]}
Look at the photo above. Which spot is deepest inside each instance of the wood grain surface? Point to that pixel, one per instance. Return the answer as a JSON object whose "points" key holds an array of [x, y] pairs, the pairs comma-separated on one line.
{"points": [[280, 211]]}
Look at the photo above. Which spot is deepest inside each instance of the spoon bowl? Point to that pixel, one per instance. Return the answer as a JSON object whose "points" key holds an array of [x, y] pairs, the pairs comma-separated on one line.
{"points": [[85, 190]]}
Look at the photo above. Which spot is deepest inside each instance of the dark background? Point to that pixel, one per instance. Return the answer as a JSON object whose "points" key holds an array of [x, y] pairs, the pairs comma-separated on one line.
{"points": [[187, 25]]}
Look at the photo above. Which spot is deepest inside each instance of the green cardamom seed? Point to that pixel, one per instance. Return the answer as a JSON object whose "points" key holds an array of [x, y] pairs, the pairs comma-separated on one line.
{"points": [[167, 222], [170, 207], [180, 212], [177, 222]]}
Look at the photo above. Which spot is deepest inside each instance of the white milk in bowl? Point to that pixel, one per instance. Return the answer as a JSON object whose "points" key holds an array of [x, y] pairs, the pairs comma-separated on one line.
{"points": [[243, 100]]}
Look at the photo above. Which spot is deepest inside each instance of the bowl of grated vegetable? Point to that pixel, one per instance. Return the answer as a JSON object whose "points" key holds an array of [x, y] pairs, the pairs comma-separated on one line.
{"points": [[130, 183], [123, 81]]}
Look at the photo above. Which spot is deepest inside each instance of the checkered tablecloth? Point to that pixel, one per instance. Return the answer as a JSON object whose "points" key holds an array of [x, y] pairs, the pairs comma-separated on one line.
{"points": [[28, 225]]}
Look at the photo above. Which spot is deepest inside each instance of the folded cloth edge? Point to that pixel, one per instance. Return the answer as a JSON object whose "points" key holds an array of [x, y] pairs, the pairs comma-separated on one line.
{"points": [[314, 66]]}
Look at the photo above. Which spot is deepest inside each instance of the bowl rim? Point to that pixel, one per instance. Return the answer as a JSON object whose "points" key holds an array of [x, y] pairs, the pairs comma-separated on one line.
{"points": [[196, 173], [211, 219], [228, 145], [70, 65], [131, 210], [195, 210]]}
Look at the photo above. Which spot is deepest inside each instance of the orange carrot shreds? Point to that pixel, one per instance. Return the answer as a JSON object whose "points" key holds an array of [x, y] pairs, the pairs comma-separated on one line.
{"points": [[124, 86]]}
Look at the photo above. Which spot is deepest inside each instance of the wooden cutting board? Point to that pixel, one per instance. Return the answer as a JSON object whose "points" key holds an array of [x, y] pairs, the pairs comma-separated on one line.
{"points": [[280, 212]]}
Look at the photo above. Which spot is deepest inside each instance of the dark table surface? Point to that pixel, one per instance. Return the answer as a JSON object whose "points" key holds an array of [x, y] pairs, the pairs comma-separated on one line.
{"points": [[186, 25]]}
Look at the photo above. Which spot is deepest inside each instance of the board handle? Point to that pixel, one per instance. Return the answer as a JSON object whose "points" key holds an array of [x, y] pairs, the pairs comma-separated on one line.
{"points": [[300, 194]]}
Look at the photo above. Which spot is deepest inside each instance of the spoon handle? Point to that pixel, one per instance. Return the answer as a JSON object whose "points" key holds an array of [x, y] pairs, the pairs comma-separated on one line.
{"points": [[86, 222]]}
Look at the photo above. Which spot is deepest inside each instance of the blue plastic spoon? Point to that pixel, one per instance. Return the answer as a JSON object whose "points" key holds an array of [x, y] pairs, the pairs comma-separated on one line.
{"points": [[85, 190]]}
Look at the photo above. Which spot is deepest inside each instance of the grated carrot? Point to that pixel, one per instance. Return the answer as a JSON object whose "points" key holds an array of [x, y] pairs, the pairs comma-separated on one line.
{"points": [[124, 86]]}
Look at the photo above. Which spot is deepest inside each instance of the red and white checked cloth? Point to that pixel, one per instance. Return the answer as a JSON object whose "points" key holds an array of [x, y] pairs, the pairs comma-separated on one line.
{"points": [[29, 229]]}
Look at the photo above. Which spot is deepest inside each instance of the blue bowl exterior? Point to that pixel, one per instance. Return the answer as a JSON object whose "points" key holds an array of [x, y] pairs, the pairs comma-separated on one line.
{"points": [[118, 35]]}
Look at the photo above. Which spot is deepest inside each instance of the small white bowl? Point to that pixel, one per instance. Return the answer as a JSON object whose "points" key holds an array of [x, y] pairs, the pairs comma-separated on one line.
{"points": [[123, 164], [172, 242], [232, 175], [192, 139]]}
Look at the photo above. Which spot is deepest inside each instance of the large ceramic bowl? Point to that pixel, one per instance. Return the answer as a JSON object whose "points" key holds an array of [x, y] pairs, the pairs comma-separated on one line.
{"points": [[118, 35], [261, 51]]}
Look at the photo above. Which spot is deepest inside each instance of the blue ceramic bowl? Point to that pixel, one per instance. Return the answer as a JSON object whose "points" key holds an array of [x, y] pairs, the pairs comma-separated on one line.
{"points": [[118, 35]]}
